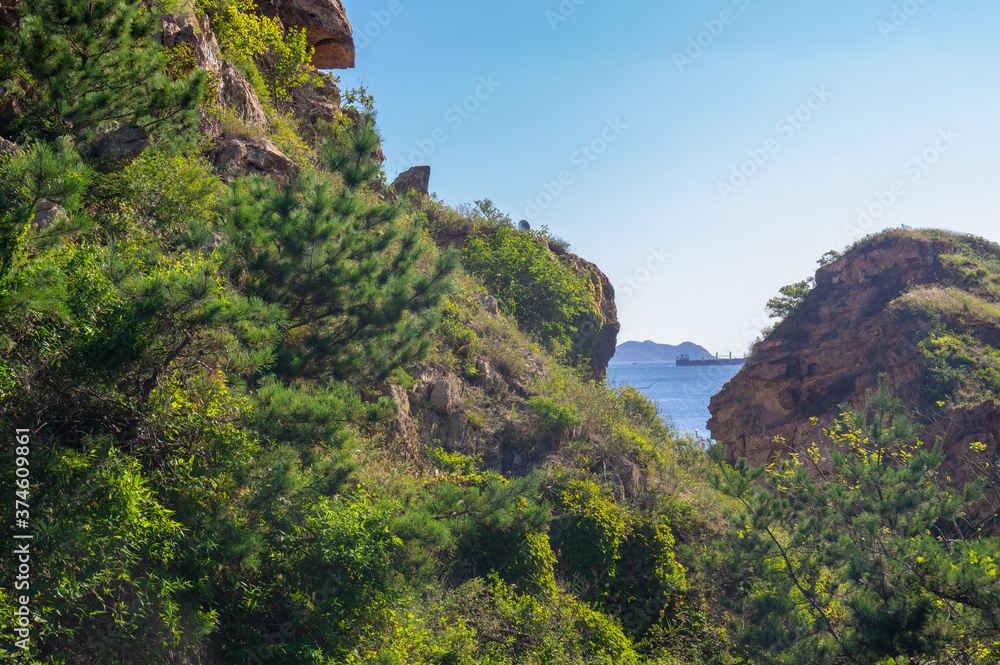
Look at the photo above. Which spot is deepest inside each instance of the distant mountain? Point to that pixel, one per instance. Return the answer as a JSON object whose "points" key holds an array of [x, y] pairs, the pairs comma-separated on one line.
{"points": [[632, 352]]}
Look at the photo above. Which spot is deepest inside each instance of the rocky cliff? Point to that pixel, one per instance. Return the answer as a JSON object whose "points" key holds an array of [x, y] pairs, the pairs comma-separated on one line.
{"points": [[327, 29], [917, 306], [606, 340]]}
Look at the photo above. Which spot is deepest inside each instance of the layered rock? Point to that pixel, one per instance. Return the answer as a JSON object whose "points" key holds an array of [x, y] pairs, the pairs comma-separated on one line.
{"points": [[833, 348]]}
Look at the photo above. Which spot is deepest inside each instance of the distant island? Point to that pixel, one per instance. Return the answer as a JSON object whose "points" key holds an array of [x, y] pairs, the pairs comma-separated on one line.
{"points": [[633, 352]]}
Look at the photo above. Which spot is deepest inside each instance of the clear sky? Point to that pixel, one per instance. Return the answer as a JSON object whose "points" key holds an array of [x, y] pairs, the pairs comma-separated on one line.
{"points": [[703, 154]]}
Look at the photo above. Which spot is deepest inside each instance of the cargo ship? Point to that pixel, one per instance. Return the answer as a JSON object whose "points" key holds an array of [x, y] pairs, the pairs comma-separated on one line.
{"points": [[685, 360]]}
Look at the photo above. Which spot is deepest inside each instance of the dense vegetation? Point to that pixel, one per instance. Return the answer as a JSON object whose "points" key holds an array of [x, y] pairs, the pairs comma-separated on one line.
{"points": [[216, 471]]}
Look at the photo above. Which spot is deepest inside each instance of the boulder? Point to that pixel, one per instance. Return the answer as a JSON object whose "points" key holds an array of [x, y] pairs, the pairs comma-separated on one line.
{"points": [[6, 147], [417, 177], [327, 29], [491, 305], [238, 156], [45, 212], [121, 145]]}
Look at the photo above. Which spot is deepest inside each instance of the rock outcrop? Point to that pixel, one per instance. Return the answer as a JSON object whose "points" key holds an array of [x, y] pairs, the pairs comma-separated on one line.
{"points": [[317, 100], [414, 178], [853, 327], [121, 145], [8, 13], [327, 29], [240, 152], [606, 340], [445, 410], [232, 90], [246, 156]]}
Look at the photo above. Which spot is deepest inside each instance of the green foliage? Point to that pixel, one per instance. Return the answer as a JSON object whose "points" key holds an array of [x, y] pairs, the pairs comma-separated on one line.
{"points": [[472, 335], [588, 535], [492, 214], [557, 629], [554, 417], [282, 133], [92, 65], [344, 273], [95, 508], [180, 62], [258, 44], [830, 257], [856, 557], [622, 561], [545, 296], [781, 307], [960, 368], [162, 194], [360, 97], [39, 171]]}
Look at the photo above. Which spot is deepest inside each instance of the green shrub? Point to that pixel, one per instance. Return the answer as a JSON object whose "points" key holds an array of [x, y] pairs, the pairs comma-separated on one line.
{"points": [[278, 59], [554, 417], [546, 296], [173, 190], [960, 369], [586, 537]]}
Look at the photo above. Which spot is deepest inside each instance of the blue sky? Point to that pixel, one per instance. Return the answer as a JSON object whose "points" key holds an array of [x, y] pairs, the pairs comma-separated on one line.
{"points": [[702, 154]]}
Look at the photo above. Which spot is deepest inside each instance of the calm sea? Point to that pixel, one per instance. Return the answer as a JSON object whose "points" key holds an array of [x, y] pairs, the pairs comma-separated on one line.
{"points": [[682, 393]]}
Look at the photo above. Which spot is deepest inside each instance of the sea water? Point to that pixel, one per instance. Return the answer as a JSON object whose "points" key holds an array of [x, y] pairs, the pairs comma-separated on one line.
{"points": [[682, 394]]}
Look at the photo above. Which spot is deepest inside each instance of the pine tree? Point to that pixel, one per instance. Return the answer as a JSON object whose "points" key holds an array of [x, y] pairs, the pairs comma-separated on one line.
{"points": [[348, 274], [856, 558], [92, 62]]}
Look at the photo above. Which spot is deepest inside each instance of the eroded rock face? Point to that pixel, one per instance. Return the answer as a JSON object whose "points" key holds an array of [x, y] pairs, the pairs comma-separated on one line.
{"points": [[832, 350], [607, 337], [327, 28], [317, 100], [233, 91]]}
